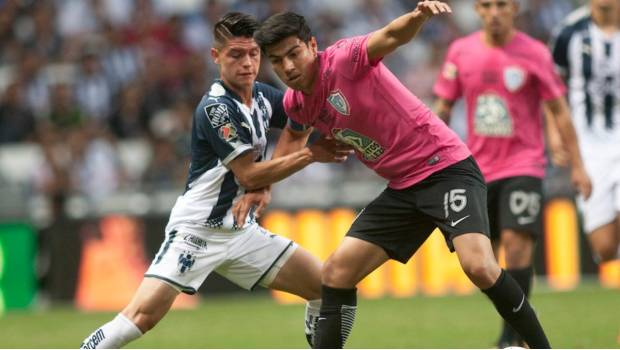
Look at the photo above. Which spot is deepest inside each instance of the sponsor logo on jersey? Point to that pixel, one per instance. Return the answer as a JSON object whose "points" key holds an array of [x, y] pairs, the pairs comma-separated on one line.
{"points": [[228, 132], [339, 102], [514, 78], [369, 148], [217, 114], [491, 117]]}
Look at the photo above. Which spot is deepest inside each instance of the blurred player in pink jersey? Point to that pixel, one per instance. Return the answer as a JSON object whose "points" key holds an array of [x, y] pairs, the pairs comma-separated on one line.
{"points": [[347, 93], [507, 78]]}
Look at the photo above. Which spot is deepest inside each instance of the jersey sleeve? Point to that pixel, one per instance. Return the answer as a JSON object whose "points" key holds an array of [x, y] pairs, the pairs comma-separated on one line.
{"points": [[275, 97], [559, 47], [350, 56], [220, 123], [448, 85], [550, 82]]}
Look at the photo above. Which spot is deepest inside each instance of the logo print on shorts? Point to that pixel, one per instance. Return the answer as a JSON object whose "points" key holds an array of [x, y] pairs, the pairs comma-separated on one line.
{"points": [[186, 261], [339, 102]]}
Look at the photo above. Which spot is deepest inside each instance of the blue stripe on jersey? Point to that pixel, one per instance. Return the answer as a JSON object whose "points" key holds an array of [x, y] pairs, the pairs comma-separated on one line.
{"points": [[259, 133], [196, 170], [586, 56], [228, 192], [609, 97]]}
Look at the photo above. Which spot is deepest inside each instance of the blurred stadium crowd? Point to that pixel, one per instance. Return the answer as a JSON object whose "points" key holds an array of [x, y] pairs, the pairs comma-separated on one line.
{"points": [[97, 96]]}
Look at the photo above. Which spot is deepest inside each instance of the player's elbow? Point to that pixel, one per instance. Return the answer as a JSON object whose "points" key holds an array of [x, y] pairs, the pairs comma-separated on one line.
{"points": [[248, 181]]}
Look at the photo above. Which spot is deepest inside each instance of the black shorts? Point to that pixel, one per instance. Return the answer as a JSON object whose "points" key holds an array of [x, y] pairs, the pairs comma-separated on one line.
{"points": [[399, 221], [515, 203]]}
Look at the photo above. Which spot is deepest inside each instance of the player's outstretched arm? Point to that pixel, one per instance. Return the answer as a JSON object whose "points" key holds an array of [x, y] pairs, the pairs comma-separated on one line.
{"points": [[401, 30], [443, 109], [559, 109], [290, 141], [254, 175]]}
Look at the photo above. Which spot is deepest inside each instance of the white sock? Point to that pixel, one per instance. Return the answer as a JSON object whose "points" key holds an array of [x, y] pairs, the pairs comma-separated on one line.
{"points": [[313, 309], [112, 335]]}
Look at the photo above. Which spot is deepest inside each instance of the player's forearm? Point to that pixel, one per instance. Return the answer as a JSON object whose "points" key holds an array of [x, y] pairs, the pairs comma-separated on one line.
{"points": [[403, 29], [569, 137], [289, 143], [443, 109], [263, 174]]}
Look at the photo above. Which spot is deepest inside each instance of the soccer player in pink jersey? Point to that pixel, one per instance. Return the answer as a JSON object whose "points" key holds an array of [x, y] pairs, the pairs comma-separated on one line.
{"points": [[346, 92], [507, 78]]}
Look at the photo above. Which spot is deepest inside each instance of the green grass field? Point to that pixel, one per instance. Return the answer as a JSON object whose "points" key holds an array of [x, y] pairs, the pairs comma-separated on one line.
{"points": [[586, 318]]}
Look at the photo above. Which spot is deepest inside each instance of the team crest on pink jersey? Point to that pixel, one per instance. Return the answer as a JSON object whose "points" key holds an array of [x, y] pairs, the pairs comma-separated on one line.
{"points": [[514, 78], [339, 102]]}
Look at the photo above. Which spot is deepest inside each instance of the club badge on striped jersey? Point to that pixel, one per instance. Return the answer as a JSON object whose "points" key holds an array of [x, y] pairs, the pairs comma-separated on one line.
{"points": [[514, 78], [228, 132], [339, 102]]}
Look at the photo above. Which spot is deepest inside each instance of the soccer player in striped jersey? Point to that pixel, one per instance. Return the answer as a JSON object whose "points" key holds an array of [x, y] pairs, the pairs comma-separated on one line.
{"points": [[228, 159], [348, 93], [587, 51], [507, 78]]}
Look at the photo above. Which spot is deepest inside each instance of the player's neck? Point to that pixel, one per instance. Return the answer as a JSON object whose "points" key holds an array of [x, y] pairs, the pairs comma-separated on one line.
{"points": [[498, 40], [243, 92], [315, 77], [608, 22]]}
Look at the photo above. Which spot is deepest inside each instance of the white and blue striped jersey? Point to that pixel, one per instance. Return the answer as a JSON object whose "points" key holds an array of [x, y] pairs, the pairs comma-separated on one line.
{"points": [[590, 61], [223, 128]]}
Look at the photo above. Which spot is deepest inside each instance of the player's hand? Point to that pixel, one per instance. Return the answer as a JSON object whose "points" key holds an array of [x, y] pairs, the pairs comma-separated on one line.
{"points": [[429, 9], [581, 181], [258, 199], [328, 150]]}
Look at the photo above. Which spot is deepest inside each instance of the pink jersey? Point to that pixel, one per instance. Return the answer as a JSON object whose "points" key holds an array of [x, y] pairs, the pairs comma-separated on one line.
{"points": [[363, 104], [504, 89]]}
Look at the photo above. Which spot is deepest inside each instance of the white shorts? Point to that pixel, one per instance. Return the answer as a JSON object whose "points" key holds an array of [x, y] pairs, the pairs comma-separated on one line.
{"points": [[603, 205], [247, 258]]}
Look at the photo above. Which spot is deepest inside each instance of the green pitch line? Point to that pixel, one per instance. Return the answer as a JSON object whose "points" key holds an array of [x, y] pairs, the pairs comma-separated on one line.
{"points": [[586, 318]]}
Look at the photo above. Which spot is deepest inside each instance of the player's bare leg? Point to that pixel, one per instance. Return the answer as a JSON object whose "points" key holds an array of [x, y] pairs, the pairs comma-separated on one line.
{"points": [[605, 241], [353, 260], [150, 303], [519, 252], [301, 275], [478, 262]]}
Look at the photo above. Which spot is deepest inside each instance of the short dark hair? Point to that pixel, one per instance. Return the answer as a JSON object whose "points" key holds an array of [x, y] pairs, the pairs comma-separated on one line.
{"points": [[234, 24], [280, 26]]}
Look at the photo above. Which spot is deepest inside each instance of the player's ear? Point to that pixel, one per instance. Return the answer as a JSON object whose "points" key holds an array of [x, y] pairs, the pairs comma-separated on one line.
{"points": [[515, 7], [313, 46], [215, 55]]}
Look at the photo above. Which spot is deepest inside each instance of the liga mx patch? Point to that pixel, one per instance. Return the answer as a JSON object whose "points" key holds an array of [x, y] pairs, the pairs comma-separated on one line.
{"points": [[450, 71], [339, 102], [217, 114], [514, 78]]}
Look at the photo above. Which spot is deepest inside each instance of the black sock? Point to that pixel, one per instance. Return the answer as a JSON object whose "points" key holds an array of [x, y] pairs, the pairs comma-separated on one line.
{"points": [[336, 318], [512, 304], [523, 277]]}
